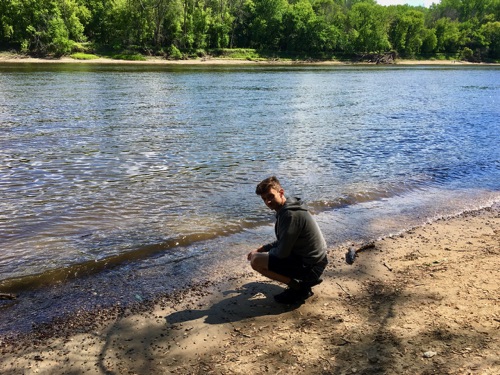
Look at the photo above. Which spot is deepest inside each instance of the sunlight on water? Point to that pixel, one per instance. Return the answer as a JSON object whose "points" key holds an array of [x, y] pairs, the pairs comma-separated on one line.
{"points": [[113, 164]]}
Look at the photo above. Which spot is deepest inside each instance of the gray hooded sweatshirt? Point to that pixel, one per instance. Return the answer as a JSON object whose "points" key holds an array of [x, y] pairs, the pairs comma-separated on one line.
{"points": [[297, 234]]}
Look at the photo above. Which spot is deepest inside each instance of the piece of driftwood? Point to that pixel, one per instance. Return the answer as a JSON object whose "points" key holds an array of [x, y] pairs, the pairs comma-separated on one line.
{"points": [[7, 296], [365, 246], [352, 253], [378, 58]]}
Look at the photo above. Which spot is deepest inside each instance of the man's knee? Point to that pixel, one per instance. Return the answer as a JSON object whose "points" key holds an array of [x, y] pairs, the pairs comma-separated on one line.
{"points": [[259, 261], [252, 261]]}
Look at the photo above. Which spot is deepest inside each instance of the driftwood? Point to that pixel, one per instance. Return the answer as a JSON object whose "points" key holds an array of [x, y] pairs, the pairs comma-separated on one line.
{"points": [[7, 296], [379, 58], [351, 255]]}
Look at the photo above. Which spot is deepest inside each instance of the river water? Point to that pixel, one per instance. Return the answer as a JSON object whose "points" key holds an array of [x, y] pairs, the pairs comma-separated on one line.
{"points": [[143, 177]]}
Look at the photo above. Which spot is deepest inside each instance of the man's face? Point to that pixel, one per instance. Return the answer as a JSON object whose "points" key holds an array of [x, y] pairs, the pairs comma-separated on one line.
{"points": [[274, 199]]}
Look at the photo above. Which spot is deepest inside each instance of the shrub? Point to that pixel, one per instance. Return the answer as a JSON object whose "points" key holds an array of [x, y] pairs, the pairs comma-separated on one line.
{"points": [[467, 54], [174, 53], [84, 56], [129, 56]]}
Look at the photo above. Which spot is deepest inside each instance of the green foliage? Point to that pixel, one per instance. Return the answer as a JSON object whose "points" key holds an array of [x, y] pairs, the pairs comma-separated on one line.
{"points": [[407, 33], [174, 53], [129, 56], [265, 22], [294, 27], [83, 56], [448, 35], [368, 28], [429, 41], [56, 38], [299, 23], [467, 54], [74, 16], [237, 53], [491, 33]]}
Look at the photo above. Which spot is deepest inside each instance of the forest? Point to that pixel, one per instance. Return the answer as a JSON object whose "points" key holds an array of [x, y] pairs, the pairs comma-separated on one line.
{"points": [[326, 29]]}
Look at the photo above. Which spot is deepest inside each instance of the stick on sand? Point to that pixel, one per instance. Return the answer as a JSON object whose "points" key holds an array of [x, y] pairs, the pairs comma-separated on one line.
{"points": [[351, 255]]}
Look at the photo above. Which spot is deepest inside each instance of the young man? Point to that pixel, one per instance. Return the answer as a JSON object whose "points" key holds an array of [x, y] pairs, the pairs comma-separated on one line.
{"points": [[298, 256]]}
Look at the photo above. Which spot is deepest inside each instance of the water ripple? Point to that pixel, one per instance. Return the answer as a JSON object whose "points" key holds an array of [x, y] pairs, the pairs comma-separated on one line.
{"points": [[98, 164]]}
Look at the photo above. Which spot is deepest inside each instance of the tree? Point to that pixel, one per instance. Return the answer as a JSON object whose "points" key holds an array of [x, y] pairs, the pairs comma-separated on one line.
{"points": [[367, 30], [159, 10], [6, 23], [491, 32], [299, 26], [75, 16], [462, 10], [448, 35], [492, 10], [350, 3], [200, 19], [189, 10], [407, 32], [171, 28], [470, 9], [132, 24], [220, 24], [265, 22], [239, 30], [43, 26], [56, 37], [98, 26], [331, 20], [429, 41], [471, 37]]}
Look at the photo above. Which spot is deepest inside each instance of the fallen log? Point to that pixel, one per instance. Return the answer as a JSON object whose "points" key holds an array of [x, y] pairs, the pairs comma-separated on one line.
{"points": [[7, 296], [353, 252]]}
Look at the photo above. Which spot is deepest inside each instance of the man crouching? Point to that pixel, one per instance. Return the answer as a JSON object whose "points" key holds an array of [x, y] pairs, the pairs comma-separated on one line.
{"points": [[298, 256]]}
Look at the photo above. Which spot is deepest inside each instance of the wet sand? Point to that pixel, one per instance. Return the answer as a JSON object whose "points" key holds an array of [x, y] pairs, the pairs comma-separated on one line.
{"points": [[425, 301]]}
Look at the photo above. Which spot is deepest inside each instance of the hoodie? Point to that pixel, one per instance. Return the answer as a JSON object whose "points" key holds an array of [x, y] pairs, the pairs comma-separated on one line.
{"points": [[297, 234]]}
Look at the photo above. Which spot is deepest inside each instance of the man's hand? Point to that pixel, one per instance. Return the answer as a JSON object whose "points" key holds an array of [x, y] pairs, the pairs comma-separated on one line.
{"points": [[259, 250], [249, 256]]}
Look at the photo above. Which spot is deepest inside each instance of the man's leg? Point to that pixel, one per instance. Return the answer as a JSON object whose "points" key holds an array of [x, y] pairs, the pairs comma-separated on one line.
{"points": [[295, 293], [260, 263]]}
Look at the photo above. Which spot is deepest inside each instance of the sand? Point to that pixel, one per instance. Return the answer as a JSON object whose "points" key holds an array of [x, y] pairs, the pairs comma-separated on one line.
{"points": [[11, 58], [422, 302]]}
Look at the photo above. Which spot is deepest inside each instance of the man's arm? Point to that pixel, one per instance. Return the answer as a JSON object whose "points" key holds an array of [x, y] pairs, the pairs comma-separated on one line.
{"points": [[262, 249]]}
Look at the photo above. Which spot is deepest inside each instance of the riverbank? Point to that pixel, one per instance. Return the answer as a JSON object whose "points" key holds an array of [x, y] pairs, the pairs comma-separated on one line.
{"points": [[422, 302], [10, 58]]}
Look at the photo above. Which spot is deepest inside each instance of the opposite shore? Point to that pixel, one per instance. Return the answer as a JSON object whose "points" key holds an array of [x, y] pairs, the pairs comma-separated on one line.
{"points": [[11, 58], [424, 301]]}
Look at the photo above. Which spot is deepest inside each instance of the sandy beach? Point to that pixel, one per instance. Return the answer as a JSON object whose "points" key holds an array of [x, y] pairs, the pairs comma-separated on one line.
{"points": [[10, 58], [423, 302]]}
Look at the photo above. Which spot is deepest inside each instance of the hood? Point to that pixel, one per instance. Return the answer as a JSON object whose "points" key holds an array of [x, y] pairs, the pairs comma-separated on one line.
{"points": [[294, 204]]}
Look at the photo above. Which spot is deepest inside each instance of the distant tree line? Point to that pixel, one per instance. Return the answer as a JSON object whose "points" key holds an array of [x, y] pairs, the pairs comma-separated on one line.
{"points": [[327, 28]]}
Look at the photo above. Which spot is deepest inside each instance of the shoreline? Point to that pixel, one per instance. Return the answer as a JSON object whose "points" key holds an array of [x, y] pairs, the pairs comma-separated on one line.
{"points": [[9, 58], [424, 300]]}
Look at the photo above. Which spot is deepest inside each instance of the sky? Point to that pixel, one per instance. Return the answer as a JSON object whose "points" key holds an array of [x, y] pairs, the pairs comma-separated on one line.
{"points": [[425, 3]]}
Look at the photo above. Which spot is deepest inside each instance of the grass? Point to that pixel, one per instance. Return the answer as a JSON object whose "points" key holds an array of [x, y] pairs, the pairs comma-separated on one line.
{"points": [[237, 53], [83, 56], [129, 56]]}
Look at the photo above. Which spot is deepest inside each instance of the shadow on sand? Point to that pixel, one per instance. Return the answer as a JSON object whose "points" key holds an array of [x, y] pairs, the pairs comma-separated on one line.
{"points": [[250, 300]]}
